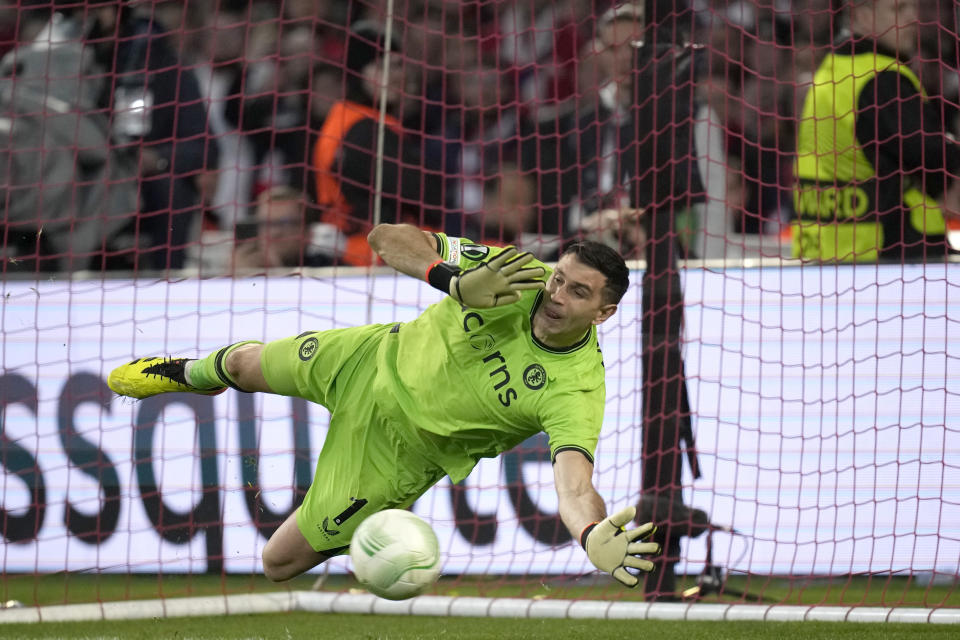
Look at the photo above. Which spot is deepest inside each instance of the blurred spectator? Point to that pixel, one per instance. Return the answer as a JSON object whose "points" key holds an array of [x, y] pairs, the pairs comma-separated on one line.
{"points": [[327, 83], [766, 139], [159, 111], [719, 170], [621, 30], [508, 211], [345, 154], [579, 157], [65, 189], [872, 151], [187, 27], [670, 21], [327, 20], [486, 86], [483, 131], [282, 237], [450, 114], [540, 41], [746, 119], [420, 26], [581, 160], [728, 30], [269, 102], [552, 153], [748, 47], [212, 46], [603, 129]]}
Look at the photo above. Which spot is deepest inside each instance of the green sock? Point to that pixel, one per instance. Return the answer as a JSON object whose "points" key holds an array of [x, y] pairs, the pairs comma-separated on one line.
{"points": [[209, 372]]}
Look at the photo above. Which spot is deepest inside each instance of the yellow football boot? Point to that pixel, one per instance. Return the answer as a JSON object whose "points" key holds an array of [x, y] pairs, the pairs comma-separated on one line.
{"points": [[146, 377]]}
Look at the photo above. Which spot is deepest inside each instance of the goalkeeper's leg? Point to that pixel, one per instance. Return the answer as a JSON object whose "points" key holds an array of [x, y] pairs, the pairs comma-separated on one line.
{"points": [[237, 366], [302, 366], [288, 554]]}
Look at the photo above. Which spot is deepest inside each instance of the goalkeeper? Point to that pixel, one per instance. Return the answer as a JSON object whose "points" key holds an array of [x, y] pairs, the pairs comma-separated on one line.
{"points": [[510, 352]]}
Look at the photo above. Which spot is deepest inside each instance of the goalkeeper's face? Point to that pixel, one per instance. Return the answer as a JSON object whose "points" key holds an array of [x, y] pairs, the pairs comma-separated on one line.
{"points": [[574, 300]]}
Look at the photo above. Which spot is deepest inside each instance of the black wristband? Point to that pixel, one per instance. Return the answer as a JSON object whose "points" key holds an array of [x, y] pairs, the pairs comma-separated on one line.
{"points": [[586, 532], [441, 274]]}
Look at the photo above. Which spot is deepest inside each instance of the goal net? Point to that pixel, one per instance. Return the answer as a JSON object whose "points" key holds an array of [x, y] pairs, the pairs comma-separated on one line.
{"points": [[178, 176]]}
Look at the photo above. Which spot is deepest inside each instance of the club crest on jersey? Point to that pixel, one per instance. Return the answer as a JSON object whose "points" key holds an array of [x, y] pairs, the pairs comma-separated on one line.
{"points": [[474, 251], [534, 376], [308, 348]]}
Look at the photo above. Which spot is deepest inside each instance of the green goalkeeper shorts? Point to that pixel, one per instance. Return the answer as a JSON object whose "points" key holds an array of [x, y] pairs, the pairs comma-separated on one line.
{"points": [[365, 466]]}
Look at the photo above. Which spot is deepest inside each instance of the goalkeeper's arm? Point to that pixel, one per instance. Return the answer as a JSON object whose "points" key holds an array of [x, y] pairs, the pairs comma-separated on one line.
{"points": [[493, 283], [609, 546], [404, 247]]}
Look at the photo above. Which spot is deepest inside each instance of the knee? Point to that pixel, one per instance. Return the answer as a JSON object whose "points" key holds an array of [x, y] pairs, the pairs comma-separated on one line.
{"points": [[273, 569], [274, 574], [242, 362], [240, 359]]}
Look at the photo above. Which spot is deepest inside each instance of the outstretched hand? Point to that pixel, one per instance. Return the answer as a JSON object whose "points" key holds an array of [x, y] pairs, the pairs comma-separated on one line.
{"points": [[497, 282], [613, 549]]}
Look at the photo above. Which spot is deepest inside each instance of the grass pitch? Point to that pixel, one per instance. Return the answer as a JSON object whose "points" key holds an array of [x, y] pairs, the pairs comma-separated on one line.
{"points": [[849, 591], [306, 625], [867, 591]]}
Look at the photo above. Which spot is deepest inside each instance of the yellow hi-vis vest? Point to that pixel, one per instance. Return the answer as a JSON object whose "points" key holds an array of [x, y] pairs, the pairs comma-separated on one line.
{"points": [[835, 194]]}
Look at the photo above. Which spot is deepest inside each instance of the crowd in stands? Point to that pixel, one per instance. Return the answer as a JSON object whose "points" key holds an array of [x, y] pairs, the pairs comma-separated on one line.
{"points": [[506, 121]]}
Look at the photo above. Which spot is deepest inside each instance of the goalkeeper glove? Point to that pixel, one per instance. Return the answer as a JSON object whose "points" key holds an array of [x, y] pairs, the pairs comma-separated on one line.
{"points": [[612, 549], [490, 284]]}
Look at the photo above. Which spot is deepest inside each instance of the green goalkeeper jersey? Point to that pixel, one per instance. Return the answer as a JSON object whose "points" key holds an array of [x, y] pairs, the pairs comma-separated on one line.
{"points": [[472, 383]]}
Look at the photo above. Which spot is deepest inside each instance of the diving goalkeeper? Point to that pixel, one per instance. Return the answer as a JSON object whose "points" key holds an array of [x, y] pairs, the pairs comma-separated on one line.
{"points": [[510, 352]]}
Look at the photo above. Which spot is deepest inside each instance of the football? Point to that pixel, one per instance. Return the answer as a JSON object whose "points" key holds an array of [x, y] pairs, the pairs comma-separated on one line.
{"points": [[395, 554]]}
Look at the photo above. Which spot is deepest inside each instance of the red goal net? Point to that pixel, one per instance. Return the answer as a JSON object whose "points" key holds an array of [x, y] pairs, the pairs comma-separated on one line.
{"points": [[179, 175]]}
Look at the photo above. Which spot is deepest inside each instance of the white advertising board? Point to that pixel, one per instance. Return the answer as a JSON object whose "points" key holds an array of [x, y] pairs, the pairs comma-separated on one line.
{"points": [[825, 407]]}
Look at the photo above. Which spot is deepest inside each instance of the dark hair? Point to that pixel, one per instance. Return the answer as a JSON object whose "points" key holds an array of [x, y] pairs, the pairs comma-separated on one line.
{"points": [[608, 262]]}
